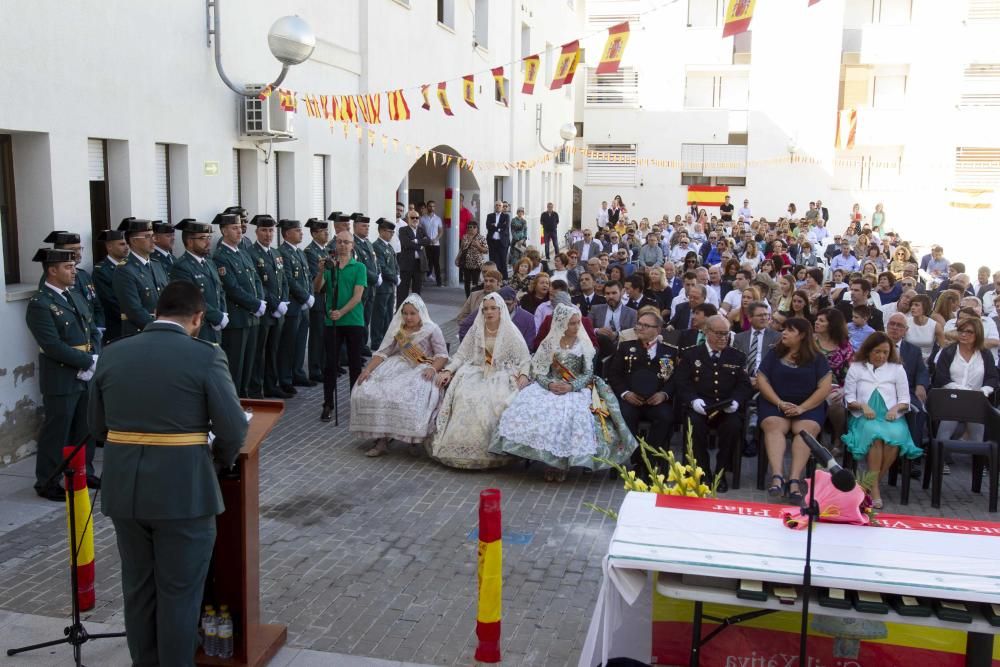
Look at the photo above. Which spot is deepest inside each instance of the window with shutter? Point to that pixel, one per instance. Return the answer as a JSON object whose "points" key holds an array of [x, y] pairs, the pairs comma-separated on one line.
{"points": [[161, 189], [319, 197], [95, 160], [855, 81], [611, 164], [981, 86], [602, 14], [977, 167], [620, 89], [983, 11], [237, 199], [714, 164]]}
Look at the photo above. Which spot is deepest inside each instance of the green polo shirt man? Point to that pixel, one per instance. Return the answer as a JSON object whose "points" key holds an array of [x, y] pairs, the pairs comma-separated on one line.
{"points": [[343, 286]]}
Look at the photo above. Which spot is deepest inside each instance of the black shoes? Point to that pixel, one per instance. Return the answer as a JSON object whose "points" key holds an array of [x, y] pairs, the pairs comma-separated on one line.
{"points": [[276, 393], [305, 383], [93, 482], [315, 379], [289, 389], [327, 414], [723, 485], [54, 492]]}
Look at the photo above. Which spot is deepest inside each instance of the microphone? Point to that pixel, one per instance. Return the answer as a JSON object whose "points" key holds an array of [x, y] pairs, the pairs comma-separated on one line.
{"points": [[842, 478]]}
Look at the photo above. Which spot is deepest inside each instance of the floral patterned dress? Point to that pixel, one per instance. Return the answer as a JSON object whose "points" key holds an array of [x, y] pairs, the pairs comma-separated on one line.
{"points": [[563, 431], [518, 233]]}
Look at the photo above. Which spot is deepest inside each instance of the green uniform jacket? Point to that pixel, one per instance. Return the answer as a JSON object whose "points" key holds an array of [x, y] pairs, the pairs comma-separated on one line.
{"points": [[166, 260], [364, 253], [313, 253], [241, 285], [297, 274], [387, 266], [193, 393], [67, 336], [137, 288], [205, 275], [270, 269], [103, 274], [85, 286]]}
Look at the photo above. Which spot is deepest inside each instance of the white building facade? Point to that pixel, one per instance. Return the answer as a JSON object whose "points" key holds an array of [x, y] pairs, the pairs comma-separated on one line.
{"points": [[120, 112], [758, 112]]}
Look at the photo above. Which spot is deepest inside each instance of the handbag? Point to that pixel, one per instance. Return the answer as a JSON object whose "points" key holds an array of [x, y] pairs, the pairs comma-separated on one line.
{"points": [[460, 257]]}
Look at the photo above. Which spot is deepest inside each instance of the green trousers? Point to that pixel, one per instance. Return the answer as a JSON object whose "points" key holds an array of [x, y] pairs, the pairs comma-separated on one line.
{"points": [[64, 424], [164, 565]]}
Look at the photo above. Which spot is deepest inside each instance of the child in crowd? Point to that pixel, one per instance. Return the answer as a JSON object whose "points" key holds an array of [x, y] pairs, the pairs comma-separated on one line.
{"points": [[858, 329]]}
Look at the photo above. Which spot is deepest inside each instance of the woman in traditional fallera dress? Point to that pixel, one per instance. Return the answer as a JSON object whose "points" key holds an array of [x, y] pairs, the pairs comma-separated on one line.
{"points": [[567, 416], [395, 397], [489, 368]]}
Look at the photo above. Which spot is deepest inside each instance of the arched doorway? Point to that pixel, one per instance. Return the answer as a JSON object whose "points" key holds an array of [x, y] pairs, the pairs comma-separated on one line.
{"points": [[443, 182]]}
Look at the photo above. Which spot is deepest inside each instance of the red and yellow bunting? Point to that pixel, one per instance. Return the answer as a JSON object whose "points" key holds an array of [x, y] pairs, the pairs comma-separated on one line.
{"points": [[81, 536], [469, 90], [738, 15], [566, 65], [499, 83], [442, 93], [265, 93], [370, 107], [531, 66], [425, 90], [847, 128], [287, 100], [398, 108], [614, 49]]}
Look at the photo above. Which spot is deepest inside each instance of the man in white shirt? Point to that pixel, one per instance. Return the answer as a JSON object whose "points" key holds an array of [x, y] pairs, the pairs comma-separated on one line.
{"points": [[990, 295], [745, 212], [400, 223], [680, 250], [433, 227], [602, 216]]}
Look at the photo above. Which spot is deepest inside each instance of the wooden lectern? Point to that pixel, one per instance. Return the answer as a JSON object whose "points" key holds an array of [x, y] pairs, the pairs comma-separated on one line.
{"points": [[234, 577]]}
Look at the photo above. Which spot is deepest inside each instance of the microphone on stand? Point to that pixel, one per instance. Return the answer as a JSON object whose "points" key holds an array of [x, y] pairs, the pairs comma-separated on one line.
{"points": [[842, 478]]}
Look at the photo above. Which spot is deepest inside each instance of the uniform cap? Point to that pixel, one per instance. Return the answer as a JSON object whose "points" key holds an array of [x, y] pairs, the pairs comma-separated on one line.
{"points": [[223, 219], [192, 226], [133, 225], [110, 235], [364, 219], [355, 216], [53, 256], [316, 223], [62, 238], [386, 224], [236, 210], [289, 224], [342, 217], [160, 227], [263, 220], [333, 215]]}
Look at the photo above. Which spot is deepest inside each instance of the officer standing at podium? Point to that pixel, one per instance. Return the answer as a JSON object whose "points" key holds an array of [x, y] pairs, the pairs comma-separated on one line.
{"points": [[161, 490]]}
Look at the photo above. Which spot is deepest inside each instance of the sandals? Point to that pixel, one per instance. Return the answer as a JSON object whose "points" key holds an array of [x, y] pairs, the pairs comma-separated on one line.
{"points": [[795, 497], [380, 448], [555, 475], [776, 490]]}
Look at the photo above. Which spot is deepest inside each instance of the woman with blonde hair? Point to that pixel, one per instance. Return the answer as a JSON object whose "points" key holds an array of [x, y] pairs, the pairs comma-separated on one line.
{"points": [[901, 258], [538, 293]]}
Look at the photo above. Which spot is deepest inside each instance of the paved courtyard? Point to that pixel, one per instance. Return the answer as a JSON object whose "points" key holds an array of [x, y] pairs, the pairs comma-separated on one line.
{"points": [[377, 557]]}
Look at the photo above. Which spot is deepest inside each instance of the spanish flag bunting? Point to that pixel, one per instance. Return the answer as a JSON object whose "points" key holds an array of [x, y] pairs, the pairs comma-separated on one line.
{"points": [[847, 128], [324, 104], [286, 99], [498, 81], [425, 90], [469, 90], [738, 15], [266, 93], [347, 111], [398, 108], [443, 98], [707, 195], [566, 65], [370, 107], [614, 48], [531, 67]]}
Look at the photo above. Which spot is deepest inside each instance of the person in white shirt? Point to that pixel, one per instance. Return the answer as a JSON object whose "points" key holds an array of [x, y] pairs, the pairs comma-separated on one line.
{"points": [[967, 306], [400, 223], [680, 250], [966, 365], [433, 227], [745, 213], [602, 216], [877, 393], [990, 295]]}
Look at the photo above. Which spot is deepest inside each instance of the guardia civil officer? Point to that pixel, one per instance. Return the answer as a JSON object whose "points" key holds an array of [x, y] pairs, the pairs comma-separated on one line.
{"points": [[385, 290], [316, 250], [163, 243], [84, 283], [162, 493], [195, 266], [68, 344], [270, 270], [294, 333], [104, 271], [140, 280]]}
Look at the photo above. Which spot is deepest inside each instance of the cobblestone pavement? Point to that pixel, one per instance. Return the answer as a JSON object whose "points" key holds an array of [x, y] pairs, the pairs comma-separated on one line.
{"points": [[377, 557]]}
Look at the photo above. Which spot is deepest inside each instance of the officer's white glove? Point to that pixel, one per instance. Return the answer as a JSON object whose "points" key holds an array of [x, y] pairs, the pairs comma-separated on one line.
{"points": [[310, 301], [222, 325], [733, 407], [698, 405], [379, 283], [398, 280], [85, 375], [260, 311], [101, 330], [986, 390], [282, 308]]}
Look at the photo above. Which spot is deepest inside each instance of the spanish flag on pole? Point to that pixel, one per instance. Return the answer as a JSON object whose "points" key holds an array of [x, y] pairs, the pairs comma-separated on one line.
{"points": [[490, 577], [469, 90], [707, 195], [398, 109], [531, 67], [614, 48], [499, 83], [738, 15], [443, 98], [566, 65], [81, 538]]}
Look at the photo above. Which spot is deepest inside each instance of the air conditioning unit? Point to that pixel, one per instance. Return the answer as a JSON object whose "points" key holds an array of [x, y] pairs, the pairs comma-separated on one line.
{"points": [[265, 118]]}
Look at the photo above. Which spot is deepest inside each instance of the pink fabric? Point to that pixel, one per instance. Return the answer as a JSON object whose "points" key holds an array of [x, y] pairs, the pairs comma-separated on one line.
{"points": [[835, 506]]}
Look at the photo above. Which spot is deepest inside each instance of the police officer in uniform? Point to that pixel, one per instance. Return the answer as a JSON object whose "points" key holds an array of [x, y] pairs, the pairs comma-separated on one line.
{"points": [[270, 269], [295, 332], [104, 271], [641, 373], [243, 216], [140, 280], [162, 493], [385, 291], [244, 301], [68, 344], [163, 243], [364, 253], [196, 267], [317, 249], [713, 386], [84, 283]]}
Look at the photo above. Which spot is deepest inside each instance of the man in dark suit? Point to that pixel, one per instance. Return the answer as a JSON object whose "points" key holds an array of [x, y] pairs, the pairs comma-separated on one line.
{"points": [[696, 295], [861, 290], [162, 493], [695, 334], [550, 227], [498, 237], [412, 238], [712, 384], [588, 296], [588, 248], [916, 374], [754, 343], [635, 290], [611, 318], [641, 375]]}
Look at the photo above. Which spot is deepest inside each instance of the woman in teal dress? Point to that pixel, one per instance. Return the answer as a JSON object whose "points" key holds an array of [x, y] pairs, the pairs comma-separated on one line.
{"points": [[877, 393], [518, 236], [567, 416]]}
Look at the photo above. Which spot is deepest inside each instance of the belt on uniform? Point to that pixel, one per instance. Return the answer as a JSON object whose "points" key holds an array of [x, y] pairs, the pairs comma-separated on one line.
{"points": [[83, 348], [167, 439]]}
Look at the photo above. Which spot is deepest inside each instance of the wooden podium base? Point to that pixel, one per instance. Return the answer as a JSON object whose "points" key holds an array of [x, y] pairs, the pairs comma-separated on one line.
{"points": [[262, 646]]}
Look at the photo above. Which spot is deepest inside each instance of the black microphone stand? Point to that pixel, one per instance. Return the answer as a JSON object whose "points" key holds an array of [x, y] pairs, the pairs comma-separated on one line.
{"points": [[810, 510], [75, 634], [335, 273]]}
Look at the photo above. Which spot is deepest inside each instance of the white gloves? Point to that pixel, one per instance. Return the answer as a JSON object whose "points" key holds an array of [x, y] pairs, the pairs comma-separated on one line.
{"points": [[987, 391], [397, 281], [89, 373], [101, 330], [222, 325], [698, 405], [260, 311], [281, 310], [379, 283], [310, 301], [733, 407]]}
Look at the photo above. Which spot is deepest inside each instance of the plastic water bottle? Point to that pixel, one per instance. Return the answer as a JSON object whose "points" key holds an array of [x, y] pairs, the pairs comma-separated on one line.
{"points": [[201, 625], [225, 632], [211, 629]]}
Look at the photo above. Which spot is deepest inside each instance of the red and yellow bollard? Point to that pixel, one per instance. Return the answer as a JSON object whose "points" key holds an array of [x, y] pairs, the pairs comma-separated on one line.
{"points": [[490, 577], [83, 539]]}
